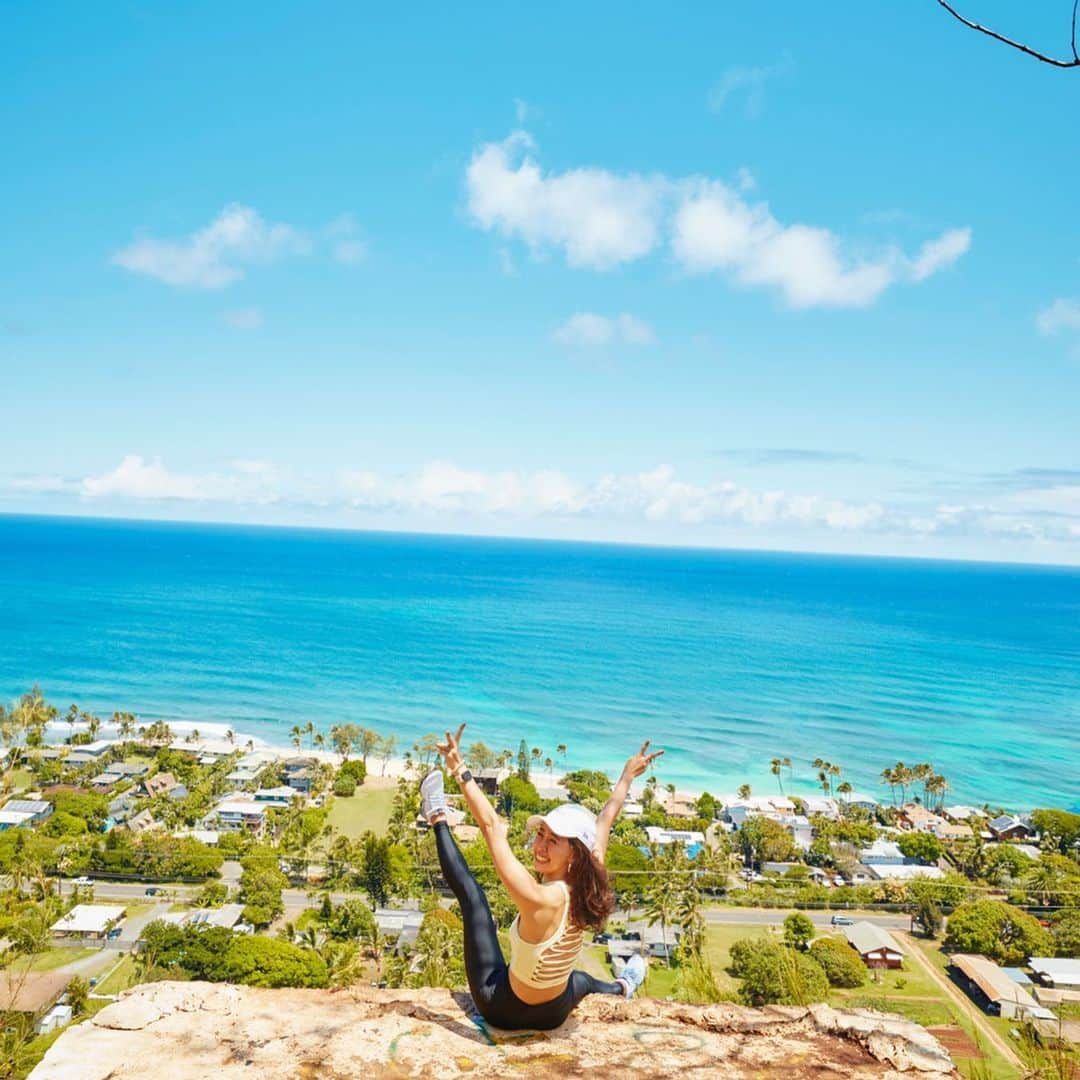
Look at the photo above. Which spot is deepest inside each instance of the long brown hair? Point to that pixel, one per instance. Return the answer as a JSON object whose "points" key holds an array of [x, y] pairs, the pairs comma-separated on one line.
{"points": [[591, 898]]}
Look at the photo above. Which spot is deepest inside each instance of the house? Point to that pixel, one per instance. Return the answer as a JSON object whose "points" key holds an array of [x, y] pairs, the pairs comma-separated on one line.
{"points": [[1056, 972], [121, 808], [814, 873], [821, 805], [799, 827], [1008, 827], [238, 815], [680, 805], [631, 808], [38, 809], [105, 782], [13, 819], [916, 816], [490, 780], [159, 784], [555, 793], [91, 921], [142, 822], [179, 792], [953, 830], [130, 769], [960, 814], [877, 948], [907, 872], [247, 769], [281, 796], [858, 874], [882, 853], [861, 800], [300, 774], [738, 810], [32, 993], [57, 1017], [92, 750], [227, 916], [691, 839], [996, 992]]}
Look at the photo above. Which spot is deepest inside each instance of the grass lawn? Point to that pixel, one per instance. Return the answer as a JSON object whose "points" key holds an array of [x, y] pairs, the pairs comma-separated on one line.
{"points": [[21, 779], [368, 809], [52, 959], [120, 978], [719, 938]]}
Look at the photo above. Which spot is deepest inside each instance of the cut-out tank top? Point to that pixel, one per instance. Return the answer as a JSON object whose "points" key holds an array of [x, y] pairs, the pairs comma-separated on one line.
{"points": [[548, 963]]}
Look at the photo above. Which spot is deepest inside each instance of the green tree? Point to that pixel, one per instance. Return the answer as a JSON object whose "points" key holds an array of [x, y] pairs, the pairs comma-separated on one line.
{"points": [[518, 794], [923, 846], [840, 962], [774, 975], [924, 906], [1065, 930], [78, 995], [384, 867], [766, 840], [798, 930], [260, 892], [998, 931], [481, 756], [1059, 829], [365, 742], [439, 951], [352, 920], [255, 960]]}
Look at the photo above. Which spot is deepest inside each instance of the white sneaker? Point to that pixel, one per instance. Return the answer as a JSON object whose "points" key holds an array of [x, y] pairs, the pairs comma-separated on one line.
{"points": [[432, 796], [633, 974]]}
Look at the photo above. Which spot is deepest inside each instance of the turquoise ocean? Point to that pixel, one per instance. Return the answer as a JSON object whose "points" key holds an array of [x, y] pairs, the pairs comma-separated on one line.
{"points": [[725, 658]]}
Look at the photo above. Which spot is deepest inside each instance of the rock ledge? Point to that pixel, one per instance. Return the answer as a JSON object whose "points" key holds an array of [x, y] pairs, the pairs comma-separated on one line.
{"points": [[185, 1031]]}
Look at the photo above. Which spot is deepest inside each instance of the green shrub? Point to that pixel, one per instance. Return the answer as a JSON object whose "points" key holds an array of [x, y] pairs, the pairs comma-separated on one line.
{"points": [[345, 786], [355, 769], [839, 961]]}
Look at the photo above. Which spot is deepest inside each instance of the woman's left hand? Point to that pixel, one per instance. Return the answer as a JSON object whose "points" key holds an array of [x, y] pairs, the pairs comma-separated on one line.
{"points": [[451, 750], [641, 761]]}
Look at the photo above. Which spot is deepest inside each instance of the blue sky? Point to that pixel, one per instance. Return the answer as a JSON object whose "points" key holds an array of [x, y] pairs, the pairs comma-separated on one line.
{"points": [[740, 275]]}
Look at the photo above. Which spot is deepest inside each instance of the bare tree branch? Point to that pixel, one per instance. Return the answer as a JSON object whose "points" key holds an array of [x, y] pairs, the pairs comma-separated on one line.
{"points": [[1074, 62]]}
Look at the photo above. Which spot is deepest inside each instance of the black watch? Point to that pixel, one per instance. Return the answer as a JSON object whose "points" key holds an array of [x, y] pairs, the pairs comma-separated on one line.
{"points": [[464, 777]]}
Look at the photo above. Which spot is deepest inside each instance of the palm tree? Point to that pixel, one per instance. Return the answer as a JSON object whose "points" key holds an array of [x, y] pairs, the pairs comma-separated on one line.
{"points": [[72, 718], [296, 735], [341, 737], [844, 789], [93, 724], [561, 750], [320, 740], [249, 745], [549, 765], [744, 791], [774, 767], [230, 737], [536, 753], [309, 730]]}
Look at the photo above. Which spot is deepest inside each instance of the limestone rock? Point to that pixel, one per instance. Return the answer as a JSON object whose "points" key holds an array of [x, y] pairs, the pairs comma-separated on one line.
{"points": [[187, 1031]]}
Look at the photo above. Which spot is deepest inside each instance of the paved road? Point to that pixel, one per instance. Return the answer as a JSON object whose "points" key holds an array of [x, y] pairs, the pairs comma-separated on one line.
{"points": [[775, 916]]}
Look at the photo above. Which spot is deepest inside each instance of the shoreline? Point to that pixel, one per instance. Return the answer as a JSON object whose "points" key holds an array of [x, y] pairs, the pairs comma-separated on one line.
{"points": [[212, 739]]}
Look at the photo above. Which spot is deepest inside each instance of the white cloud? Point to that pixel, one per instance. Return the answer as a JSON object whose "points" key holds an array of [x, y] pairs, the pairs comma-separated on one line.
{"points": [[1062, 314], [745, 80], [249, 318], [596, 218], [715, 229], [601, 220], [587, 329], [937, 254], [214, 256], [135, 478]]}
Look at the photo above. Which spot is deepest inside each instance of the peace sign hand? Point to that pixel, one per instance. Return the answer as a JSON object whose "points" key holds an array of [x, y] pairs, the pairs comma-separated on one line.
{"points": [[641, 760], [451, 750]]}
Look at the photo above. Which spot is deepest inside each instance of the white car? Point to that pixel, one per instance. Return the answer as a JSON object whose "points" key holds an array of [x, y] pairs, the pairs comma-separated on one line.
{"points": [[84, 880]]}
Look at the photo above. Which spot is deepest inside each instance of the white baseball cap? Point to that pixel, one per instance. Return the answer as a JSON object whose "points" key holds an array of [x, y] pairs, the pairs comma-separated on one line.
{"points": [[570, 820]]}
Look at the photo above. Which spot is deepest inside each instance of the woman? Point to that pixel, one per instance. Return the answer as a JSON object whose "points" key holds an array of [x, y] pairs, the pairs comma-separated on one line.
{"points": [[538, 988]]}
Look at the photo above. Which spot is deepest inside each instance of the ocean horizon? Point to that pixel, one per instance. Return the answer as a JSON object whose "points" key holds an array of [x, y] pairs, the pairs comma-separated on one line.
{"points": [[726, 658]]}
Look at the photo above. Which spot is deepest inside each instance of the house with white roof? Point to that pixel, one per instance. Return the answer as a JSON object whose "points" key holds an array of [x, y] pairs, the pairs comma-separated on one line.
{"points": [[1058, 972], [823, 805], [88, 921], [882, 853], [238, 815], [907, 872], [280, 796], [687, 837]]}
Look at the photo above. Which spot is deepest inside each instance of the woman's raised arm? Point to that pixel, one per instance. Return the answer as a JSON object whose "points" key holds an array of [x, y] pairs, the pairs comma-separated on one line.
{"points": [[633, 768]]}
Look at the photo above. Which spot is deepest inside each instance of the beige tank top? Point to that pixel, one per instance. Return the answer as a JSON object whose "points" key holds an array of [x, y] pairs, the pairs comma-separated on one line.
{"points": [[548, 963]]}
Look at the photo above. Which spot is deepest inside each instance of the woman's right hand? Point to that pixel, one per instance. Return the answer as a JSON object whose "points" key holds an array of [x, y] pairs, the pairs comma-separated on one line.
{"points": [[636, 765]]}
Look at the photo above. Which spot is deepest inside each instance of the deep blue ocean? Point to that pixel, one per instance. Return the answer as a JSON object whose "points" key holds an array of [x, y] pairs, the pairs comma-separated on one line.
{"points": [[727, 659]]}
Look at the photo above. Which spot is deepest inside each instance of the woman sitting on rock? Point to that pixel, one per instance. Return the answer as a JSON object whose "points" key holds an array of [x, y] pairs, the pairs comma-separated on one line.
{"points": [[539, 988]]}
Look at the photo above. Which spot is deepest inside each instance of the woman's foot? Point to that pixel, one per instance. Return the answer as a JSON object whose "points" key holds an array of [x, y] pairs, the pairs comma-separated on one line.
{"points": [[633, 974], [432, 797]]}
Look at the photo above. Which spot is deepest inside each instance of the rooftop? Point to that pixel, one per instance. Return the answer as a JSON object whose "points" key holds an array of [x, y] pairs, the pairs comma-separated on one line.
{"points": [[88, 919], [182, 1031], [868, 937]]}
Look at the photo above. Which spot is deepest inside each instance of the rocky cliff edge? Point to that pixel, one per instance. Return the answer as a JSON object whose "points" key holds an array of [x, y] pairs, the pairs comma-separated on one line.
{"points": [[185, 1031]]}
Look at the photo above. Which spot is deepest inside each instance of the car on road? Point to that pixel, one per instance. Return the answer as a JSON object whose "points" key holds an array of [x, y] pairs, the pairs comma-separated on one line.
{"points": [[114, 933], [84, 880], [842, 920], [152, 890]]}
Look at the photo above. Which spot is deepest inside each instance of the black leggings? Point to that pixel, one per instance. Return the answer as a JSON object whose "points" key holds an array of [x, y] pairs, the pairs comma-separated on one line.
{"points": [[489, 977]]}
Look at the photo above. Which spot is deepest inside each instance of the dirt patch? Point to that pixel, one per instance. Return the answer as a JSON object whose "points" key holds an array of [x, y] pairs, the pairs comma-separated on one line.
{"points": [[957, 1041]]}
